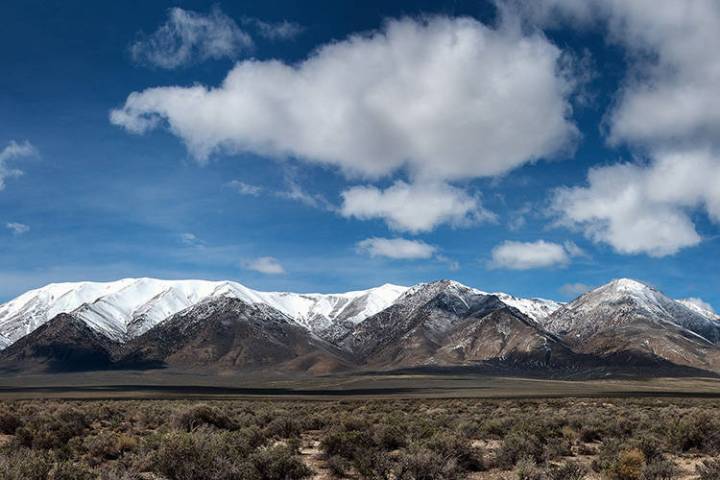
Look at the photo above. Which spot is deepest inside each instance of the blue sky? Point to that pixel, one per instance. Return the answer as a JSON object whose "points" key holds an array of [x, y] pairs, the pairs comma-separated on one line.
{"points": [[360, 143]]}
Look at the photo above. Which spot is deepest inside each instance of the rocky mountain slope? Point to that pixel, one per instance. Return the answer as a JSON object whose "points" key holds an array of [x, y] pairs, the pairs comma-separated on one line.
{"points": [[229, 334], [65, 343], [446, 323]]}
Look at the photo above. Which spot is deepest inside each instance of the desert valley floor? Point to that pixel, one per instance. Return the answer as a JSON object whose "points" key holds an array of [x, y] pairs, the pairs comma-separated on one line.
{"points": [[358, 427]]}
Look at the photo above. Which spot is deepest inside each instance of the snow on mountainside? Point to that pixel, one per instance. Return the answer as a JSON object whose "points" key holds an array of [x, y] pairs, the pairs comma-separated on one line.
{"points": [[127, 308], [622, 300], [535, 308], [698, 306]]}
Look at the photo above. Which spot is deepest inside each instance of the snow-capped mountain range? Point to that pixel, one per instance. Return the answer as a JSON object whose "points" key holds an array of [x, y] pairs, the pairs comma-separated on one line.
{"points": [[127, 308], [150, 323]]}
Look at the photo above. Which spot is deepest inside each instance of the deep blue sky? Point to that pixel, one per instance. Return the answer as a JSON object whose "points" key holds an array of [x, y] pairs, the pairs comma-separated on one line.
{"points": [[101, 203]]}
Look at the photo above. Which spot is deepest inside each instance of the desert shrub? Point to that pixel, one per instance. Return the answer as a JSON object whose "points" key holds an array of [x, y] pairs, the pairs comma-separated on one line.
{"points": [[607, 455], [389, 437], [698, 431], [660, 469], [589, 434], [709, 469], [284, 427], [9, 422], [651, 446], [527, 469], [557, 447], [497, 427], [70, 471], [374, 465], [338, 465], [448, 445], [419, 463], [279, 463], [52, 430], [108, 445], [567, 471], [346, 444], [629, 465], [192, 418], [24, 464], [517, 445], [469, 429], [202, 456]]}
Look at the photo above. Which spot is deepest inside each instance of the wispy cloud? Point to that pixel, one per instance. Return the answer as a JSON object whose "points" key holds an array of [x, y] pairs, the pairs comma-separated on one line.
{"points": [[293, 191], [245, 188], [574, 289], [188, 37], [266, 265], [17, 228], [284, 30], [190, 239], [12, 151], [396, 248]]}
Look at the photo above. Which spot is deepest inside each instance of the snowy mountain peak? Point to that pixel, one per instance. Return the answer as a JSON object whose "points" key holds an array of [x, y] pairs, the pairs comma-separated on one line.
{"points": [[622, 301], [628, 285]]}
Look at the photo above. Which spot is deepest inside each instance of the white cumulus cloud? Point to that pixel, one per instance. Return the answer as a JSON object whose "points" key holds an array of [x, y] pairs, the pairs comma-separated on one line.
{"points": [[189, 37], [528, 255], [448, 98], [414, 207], [267, 265], [668, 107], [439, 98], [647, 208], [396, 248]]}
